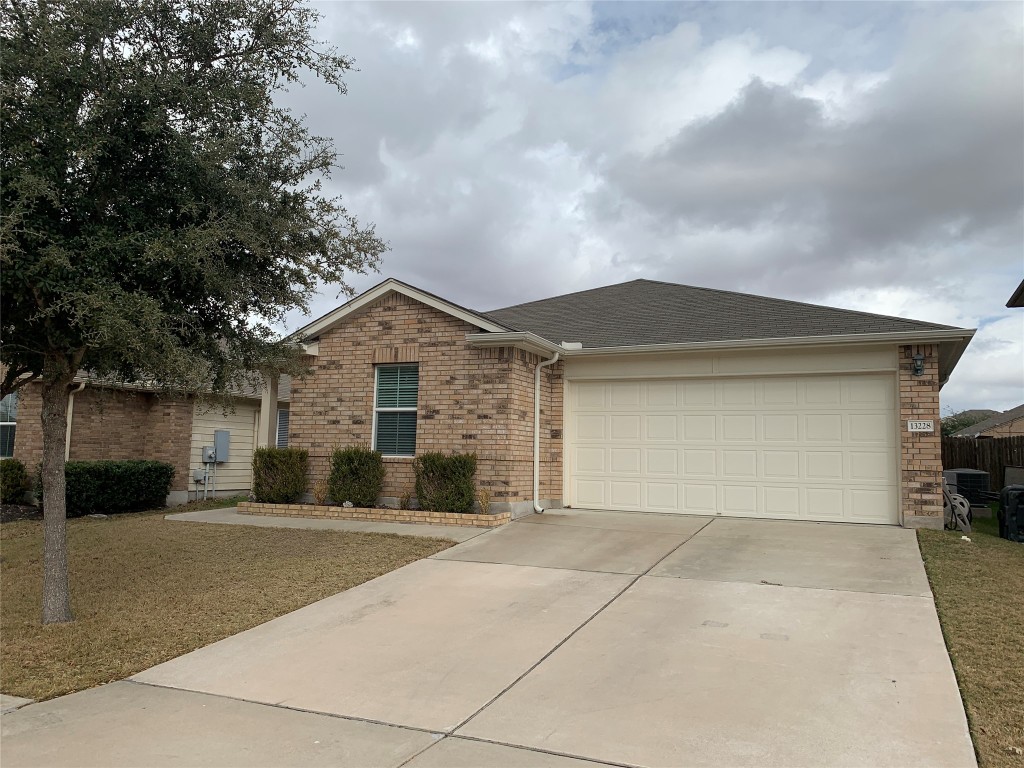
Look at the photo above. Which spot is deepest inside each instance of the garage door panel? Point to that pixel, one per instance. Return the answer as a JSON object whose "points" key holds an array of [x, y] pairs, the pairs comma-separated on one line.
{"points": [[662, 461], [589, 493], [663, 496], [589, 396], [818, 392], [813, 447], [823, 427], [778, 465], [823, 465], [589, 459], [779, 392], [870, 428], [700, 461], [740, 500], [624, 461], [662, 394], [741, 464], [739, 427], [700, 498], [590, 427], [624, 396], [624, 427], [781, 501], [780, 427], [625, 494], [662, 427], [699, 427]]}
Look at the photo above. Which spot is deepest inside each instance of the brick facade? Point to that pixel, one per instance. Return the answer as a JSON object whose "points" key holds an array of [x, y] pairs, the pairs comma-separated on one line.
{"points": [[112, 424], [920, 452], [470, 400]]}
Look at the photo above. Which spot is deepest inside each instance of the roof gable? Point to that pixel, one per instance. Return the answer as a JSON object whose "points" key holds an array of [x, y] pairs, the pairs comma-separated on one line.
{"points": [[338, 315], [647, 312], [990, 423]]}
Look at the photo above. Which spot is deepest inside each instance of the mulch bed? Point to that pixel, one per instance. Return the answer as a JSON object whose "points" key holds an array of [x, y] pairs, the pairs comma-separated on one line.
{"points": [[11, 512]]}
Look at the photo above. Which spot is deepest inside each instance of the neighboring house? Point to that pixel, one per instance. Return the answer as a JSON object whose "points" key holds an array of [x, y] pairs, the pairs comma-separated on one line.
{"points": [[1017, 299], [1006, 424], [127, 422], [652, 397]]}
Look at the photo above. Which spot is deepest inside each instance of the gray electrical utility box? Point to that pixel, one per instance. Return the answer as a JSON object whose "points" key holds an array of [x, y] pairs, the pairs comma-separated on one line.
{"points": [[221, 442], [209, 454]]}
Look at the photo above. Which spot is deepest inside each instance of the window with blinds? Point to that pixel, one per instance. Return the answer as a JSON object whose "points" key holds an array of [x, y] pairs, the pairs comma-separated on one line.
{"points": [[8, 425], [282, 427], [394, 413]]}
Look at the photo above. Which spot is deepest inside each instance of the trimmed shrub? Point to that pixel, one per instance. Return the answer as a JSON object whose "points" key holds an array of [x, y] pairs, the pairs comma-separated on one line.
{"points": [[14, 481], [108, 487], [445, 483], [357, 475], [279, 474]]}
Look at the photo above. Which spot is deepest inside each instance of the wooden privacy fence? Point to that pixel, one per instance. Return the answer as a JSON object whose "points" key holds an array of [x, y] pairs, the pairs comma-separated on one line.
{"points": [[990, 455]]}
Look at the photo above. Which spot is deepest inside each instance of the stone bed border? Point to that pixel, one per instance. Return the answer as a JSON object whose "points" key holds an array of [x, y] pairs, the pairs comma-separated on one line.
{"points": [[373, 515]]}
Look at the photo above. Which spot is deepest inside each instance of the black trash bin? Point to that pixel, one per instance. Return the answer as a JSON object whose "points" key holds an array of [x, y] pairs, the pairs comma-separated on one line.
{"points": [[1011, 513]]}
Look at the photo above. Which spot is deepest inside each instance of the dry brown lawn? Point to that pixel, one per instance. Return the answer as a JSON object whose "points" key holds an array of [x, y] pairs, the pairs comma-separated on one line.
{"points": [[979, 592], [145, 590]]}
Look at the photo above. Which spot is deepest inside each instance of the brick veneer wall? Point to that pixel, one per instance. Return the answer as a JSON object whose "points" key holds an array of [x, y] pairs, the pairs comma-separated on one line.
{"points": [[470, 400], [920, 452], [112, 424]]}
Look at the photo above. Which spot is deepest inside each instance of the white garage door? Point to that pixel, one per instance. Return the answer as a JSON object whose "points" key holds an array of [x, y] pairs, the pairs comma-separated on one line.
{"points": [[804, 448]]}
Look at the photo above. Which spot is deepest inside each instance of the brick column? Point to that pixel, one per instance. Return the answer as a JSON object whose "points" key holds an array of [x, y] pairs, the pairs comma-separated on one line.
{"points": [[920, 452]]}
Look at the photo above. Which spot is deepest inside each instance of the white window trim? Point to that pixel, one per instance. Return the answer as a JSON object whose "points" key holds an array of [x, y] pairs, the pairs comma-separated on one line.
{"points": [[376, 410]]}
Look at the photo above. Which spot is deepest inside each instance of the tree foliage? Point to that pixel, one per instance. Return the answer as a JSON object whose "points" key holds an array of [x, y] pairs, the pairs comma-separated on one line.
{"points": [[160, 210]]}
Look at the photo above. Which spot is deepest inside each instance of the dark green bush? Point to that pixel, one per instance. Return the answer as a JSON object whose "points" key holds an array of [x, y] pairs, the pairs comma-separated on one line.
{"points": [[279, 474], [14, 481], [107, 487], [357, 475], [445, 483]]}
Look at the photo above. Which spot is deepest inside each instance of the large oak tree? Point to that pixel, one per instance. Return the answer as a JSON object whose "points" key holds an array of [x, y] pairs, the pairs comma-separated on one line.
{"points": [[161, 210]]}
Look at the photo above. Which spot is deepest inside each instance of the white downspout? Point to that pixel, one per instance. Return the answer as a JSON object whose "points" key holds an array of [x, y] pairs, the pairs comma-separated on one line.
{"points": [[536, 431], [71, 412]]}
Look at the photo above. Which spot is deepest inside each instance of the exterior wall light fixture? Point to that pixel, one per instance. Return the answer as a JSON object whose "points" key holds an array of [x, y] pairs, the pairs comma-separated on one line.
{"points": [[918, 369]]}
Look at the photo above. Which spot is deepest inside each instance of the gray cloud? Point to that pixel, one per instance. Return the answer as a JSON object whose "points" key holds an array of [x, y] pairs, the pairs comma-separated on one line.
{"points": [[865, 155]]}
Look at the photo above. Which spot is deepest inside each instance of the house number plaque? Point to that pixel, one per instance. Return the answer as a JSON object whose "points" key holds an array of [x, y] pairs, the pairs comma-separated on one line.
{"points": [[920, 426]]}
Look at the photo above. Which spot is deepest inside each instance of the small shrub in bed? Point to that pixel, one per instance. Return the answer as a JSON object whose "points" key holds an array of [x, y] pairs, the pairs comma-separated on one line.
{"points": [[444, 483], [279, 474], [357, 475], [14, 481]]}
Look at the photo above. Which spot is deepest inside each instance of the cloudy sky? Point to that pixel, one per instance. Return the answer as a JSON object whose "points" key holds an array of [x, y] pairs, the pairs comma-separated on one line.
{"points": [[862, 155]]}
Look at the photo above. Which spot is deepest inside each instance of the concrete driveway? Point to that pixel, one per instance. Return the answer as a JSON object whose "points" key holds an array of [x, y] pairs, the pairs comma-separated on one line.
{"points": [[566, 639]]}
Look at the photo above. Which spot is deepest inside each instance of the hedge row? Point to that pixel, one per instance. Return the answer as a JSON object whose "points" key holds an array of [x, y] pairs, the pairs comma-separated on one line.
{"points": [[444, 483]]}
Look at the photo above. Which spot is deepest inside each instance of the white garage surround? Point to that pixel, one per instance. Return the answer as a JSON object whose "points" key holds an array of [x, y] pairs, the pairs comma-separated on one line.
{"points": [[804, 447]]}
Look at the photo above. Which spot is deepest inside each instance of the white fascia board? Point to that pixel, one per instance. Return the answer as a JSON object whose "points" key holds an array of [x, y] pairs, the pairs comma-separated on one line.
{"points": [[540, 344], [530, 342], [335, 316], [902, 337]]}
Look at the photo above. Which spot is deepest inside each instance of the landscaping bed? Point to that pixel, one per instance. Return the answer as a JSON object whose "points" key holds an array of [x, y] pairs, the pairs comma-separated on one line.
{"points": [[145, 590], [978, 587], [376, 514]]}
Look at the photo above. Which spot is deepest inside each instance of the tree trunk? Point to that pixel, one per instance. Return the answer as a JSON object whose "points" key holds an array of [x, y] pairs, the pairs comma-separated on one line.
{"points": [[56, 592]]}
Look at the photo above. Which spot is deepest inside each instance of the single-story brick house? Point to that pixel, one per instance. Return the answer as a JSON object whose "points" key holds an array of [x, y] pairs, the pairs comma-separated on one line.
{"points": [[136, 422], [1006, 424], [649, 397]]}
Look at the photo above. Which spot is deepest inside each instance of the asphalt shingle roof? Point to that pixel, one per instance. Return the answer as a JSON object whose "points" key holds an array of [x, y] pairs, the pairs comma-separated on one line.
{"points": [[653, 312], [1000, 418]]}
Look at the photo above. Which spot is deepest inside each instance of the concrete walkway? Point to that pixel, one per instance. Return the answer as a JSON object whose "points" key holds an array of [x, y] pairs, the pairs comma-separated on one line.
{"points": [[230, 516], [568, 639]]}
